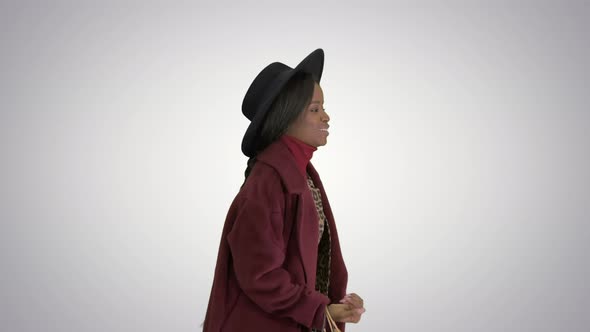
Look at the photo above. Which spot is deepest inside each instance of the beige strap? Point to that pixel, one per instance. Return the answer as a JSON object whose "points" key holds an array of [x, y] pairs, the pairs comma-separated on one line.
{"points": [[331, 322]]}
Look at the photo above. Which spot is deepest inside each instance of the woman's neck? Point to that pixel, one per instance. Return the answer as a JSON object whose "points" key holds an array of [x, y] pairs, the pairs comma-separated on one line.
{"points": [[300, 150]]}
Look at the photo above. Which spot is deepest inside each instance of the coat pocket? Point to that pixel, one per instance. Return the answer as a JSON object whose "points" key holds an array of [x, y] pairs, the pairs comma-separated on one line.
{"points": [[277, 222], [290, 217]]}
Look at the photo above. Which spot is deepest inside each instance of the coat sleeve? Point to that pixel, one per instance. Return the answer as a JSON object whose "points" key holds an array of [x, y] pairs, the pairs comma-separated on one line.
{"points": [[258, 255]]}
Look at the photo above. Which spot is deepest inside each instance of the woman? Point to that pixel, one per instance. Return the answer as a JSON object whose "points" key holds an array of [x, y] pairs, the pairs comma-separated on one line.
{"points": [[279, 266]]}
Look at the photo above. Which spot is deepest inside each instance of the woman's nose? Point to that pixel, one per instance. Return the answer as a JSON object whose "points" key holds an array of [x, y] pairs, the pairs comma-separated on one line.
{"points": [[325, 117]]}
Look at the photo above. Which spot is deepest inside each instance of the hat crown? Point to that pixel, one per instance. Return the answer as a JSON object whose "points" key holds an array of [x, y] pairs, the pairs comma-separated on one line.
{"points": [[260, 88]]}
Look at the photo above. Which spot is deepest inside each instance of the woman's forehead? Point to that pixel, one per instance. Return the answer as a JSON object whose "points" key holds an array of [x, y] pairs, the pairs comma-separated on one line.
{"points": [[318, 94]]}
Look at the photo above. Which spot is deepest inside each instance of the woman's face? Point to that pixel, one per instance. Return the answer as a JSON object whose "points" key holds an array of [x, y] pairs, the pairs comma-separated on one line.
{"points": [[311, 126]]}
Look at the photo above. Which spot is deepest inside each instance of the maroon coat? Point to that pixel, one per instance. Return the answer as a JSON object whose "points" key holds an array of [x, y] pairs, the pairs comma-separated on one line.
{"points": [[266, 266]]}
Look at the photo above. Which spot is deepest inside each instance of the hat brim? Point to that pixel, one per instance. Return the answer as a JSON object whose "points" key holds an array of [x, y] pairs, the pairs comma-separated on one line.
{"points": [[312, 64]]}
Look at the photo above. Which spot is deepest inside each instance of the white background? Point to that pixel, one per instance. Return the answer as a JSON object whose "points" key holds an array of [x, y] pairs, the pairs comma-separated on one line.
{"points": [[457, 163]]}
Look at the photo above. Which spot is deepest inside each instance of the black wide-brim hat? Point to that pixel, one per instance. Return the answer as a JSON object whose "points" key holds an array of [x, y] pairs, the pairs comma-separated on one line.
{"points": [[266, 87]]}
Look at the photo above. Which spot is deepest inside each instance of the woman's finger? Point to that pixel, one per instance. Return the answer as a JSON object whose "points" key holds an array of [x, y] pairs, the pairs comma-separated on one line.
{"points": [[350, 301], [353, 317], [353, 299], [356, 298]]}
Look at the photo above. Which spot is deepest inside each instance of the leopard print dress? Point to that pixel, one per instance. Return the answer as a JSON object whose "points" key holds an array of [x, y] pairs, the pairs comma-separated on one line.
{"points": [[323, 265]]}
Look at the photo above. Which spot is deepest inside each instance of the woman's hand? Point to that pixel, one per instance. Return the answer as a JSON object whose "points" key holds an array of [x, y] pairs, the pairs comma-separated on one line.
{"points": [[350, 309]]}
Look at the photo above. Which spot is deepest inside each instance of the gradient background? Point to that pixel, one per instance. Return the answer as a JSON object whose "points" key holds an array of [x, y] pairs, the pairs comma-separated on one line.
{"points": [[457, 164]]}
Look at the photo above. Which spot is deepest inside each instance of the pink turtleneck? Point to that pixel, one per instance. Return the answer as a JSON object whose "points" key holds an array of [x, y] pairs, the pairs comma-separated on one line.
{"points": [[302, 151]]}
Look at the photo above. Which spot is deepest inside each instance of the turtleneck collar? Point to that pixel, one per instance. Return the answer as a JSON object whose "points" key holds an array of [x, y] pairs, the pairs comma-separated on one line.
{"points": [[302, 151]]}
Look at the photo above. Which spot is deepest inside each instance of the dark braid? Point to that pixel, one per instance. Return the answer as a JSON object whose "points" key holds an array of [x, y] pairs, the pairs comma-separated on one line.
{"points": [[291, 101], [251, 163]]}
